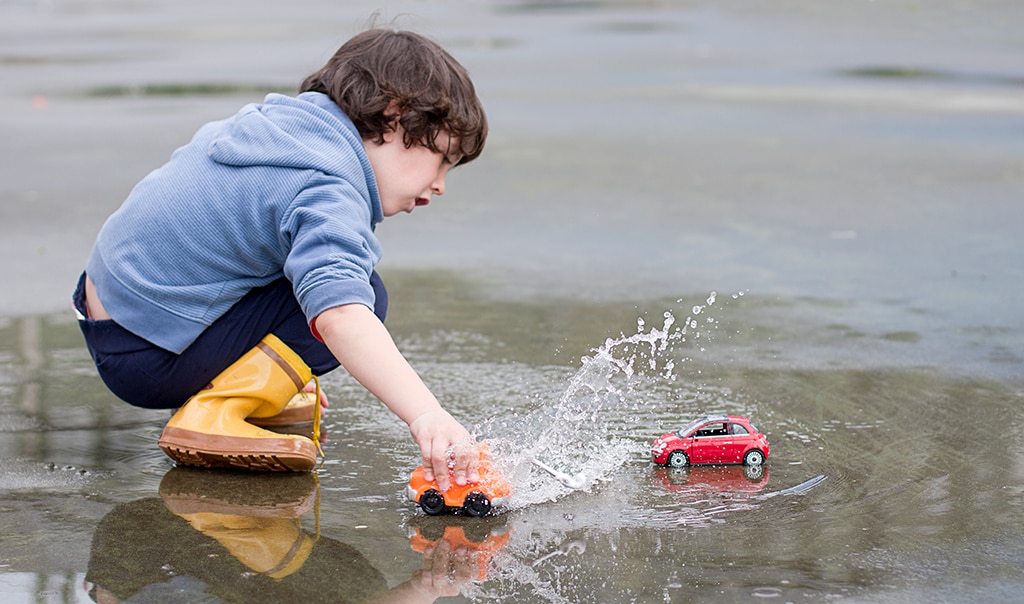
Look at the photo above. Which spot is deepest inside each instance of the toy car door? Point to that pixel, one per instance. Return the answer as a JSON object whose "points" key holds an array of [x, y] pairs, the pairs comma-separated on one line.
{"points": [[736, 444], [706, 444]]}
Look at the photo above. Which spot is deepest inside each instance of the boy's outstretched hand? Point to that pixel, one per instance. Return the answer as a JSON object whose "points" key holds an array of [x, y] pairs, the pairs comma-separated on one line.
{"points": [[364, 347], [446, 446]]}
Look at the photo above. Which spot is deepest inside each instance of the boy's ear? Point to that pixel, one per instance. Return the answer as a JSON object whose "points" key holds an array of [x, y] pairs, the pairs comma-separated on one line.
{"points": [[390, 135], [393, 112]]}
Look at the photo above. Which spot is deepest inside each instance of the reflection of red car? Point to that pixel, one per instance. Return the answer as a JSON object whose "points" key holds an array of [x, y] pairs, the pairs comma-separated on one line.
{"points": [[475, 499], [713, 439], [702, 481]]}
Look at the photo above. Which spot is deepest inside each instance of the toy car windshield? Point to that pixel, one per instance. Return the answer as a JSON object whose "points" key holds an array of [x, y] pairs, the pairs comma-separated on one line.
{"points": [[690, 427]]}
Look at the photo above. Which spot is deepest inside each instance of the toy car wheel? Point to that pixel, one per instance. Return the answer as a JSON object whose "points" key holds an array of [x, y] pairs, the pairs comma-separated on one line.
{"points": [[678, 459], [753, 458], [753, 473], [477, 504], [432, 502]]}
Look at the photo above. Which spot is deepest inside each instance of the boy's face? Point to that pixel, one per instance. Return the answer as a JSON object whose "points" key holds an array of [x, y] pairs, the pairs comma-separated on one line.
{"points": [[407, 176]]}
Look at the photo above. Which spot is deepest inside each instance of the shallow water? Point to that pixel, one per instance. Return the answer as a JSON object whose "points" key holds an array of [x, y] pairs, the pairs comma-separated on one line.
{"points": [[921, 496], [845, 179]]}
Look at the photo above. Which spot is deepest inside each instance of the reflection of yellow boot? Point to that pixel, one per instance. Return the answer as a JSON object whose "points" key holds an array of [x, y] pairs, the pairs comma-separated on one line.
{"points": [[276, 547], [211, 428], [256, 518]]}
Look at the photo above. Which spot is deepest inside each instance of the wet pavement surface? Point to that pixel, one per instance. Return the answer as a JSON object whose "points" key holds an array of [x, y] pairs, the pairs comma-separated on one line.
{"points": [[805, 215]]}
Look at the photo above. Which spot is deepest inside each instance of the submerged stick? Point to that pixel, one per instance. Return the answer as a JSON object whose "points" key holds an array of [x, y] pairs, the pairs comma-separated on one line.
{"points": [[573, 482]]}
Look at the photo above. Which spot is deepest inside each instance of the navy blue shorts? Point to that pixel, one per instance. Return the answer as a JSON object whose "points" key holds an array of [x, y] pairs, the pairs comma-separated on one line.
{"points": [[146, 375]]}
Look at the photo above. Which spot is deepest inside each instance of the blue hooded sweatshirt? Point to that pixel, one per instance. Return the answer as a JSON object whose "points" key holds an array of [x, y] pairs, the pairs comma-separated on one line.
{"points": [[281, 189]]}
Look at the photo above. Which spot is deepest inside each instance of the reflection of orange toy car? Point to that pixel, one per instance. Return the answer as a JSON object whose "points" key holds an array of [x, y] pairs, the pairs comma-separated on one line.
{"points": [[479, 542], [475, 499]]}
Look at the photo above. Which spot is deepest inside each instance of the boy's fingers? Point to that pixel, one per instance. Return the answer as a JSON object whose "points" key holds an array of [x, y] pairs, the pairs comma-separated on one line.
{"points": [[437, 462], [466, 457], [459, 462], [311, 387], [449, 452]]}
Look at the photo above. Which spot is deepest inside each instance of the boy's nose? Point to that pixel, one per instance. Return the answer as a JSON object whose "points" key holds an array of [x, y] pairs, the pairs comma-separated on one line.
{"points": [[438, 187]]}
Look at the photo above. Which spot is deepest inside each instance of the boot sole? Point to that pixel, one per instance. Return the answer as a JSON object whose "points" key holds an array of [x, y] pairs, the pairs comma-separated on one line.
{"points": [[190, 448]]}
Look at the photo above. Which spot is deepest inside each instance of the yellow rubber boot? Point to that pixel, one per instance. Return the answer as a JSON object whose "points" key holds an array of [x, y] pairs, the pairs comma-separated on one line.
{"points": [[299, 410], [211, 430]]}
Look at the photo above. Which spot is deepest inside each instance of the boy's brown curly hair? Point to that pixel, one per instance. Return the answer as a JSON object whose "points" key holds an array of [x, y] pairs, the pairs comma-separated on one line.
{"points": [[382, 68]]}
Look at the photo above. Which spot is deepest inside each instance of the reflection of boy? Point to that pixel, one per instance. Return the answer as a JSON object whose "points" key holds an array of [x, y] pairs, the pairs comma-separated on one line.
{"points": [[245, 266], [218, 537], [141, 548]]}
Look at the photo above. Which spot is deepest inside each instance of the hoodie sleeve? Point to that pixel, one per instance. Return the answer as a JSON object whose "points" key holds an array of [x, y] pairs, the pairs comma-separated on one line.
{"points": [[331, 246]]}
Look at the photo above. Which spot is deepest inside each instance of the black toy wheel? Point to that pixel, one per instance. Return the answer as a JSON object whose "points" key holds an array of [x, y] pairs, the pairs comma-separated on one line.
{"points": [[678, 459], [432, 502], [753, 458], [477, 504]]}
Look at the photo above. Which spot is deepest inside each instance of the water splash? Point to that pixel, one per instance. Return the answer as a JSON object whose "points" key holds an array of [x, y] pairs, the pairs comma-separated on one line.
{"points": [[585, 434], [574, 437]]}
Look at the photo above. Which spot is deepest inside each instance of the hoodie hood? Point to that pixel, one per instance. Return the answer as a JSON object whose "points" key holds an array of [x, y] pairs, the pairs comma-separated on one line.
{"points": [[307, 132]]}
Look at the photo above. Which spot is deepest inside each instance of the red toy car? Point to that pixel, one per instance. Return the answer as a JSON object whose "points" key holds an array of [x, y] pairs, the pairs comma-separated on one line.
{"points": [[712, 439], [475, 499]]}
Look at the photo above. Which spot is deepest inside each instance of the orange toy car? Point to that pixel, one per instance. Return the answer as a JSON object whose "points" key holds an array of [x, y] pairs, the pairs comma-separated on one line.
{"points": [[475, 499]]}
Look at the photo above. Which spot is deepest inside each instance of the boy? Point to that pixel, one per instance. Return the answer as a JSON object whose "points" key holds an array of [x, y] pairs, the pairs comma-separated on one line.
{"points": [[244, 267]]}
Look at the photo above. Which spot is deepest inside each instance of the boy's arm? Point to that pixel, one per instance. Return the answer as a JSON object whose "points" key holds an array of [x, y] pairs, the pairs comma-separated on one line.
{"points": [[366, 350]]}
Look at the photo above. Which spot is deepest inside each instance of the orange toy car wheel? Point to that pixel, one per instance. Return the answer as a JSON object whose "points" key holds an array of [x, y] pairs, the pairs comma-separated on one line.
{"points": [[477, 504], [432, 503]]}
